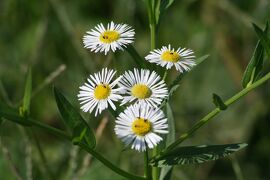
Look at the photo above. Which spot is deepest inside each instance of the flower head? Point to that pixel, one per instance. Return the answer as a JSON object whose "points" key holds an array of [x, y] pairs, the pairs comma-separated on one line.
{"points": [[138, 125], [143, 86], [116, 36], [182, 58], [99, 91]]}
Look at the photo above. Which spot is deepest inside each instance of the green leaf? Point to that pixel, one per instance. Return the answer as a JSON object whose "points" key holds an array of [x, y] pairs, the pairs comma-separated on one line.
{"points": [[166, 171], [25, 109], [77, 126], [195, 154], [263, 36], [255, 65], [12, 115], [218, 102], [161, 6]]}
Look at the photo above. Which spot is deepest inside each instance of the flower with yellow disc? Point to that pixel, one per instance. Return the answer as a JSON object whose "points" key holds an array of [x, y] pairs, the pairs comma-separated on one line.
{"points": [[99, 92], [139, 126], [116, 36], [182, 58], [143, 86]]}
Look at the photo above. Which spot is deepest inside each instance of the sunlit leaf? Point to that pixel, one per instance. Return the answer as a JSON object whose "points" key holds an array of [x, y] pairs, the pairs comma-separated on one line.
{"points": [[195, 154], [218, 102], [77, 126], [25, 108], [263, 38]]}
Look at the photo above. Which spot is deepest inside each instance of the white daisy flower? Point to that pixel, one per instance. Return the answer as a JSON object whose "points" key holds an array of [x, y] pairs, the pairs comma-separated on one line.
{"points": [[99, 91], [139, 125], [143, 87], [182, 58], [116, 36]]}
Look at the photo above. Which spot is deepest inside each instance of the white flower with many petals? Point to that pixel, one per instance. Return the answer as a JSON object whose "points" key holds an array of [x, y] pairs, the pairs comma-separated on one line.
{"points": [[116, 36], [143, 86], [182, 58], [99, 92], [139, 126]]}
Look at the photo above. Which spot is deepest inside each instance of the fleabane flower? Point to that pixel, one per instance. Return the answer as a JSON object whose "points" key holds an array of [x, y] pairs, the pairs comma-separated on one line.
{"points": [[116, 36], [139, 126], [143, 87], [99, 92], [182, 58]]}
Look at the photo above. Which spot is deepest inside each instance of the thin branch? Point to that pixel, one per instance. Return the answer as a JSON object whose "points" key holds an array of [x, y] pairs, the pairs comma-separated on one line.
{"points": [[216, 111]]}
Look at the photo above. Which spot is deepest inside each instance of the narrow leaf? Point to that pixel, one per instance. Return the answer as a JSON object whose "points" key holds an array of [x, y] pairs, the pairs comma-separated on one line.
{"points": [[166, 171], [161, 6], [195, 154], [12, 115], [255, 65], [263, 38], [218, 102], [25, 109], [77, 126]]}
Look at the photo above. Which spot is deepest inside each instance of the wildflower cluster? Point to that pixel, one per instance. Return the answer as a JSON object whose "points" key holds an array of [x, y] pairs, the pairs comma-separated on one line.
{"points": [[140, 91]]}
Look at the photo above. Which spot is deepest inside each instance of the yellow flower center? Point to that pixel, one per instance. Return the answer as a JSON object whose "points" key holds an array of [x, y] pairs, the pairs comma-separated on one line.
{"points": [[141, 91], [170, 56], [102, 91], [109, 36], [141, 126]]}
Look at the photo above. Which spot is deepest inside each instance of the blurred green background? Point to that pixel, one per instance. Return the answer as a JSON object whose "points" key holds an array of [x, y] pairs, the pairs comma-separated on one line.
{"points": [[48, 36]]}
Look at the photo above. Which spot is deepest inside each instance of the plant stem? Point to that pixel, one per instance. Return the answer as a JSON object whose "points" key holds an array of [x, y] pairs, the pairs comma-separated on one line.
{"points": [[136, 57], [152, 22], [165, 75], [85, 147], [53, 130], [236, 168], [216, 111], [152, 25], [109, 164], [147, 170]]}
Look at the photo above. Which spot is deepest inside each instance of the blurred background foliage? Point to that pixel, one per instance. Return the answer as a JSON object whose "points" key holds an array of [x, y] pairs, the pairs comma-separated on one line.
{"points": [[47, 35]]}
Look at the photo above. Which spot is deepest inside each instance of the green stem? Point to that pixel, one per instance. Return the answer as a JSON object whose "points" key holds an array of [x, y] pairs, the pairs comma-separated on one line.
{"points": [[109, 164], [152, 25], [147, 169], [152, 22], [236, 168], [31, 122], [153, 35], [53, 130], [165, 75], [136, 57], [155, 170], [216, 111]]}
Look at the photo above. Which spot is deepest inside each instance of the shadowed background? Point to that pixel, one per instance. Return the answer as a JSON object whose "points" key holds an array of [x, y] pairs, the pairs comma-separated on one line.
{"points": [[47, 35]]}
